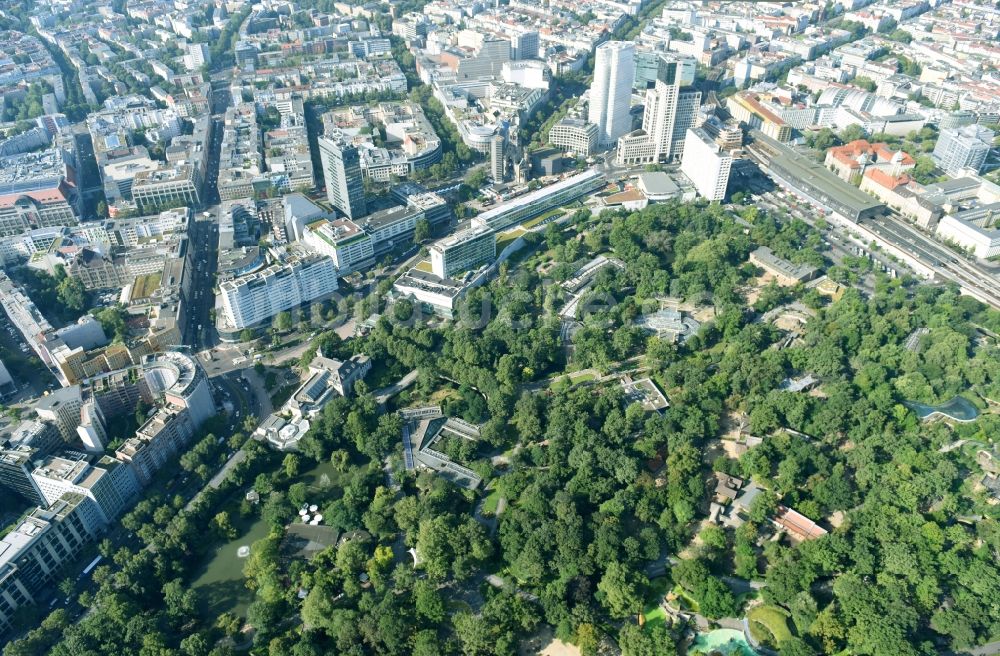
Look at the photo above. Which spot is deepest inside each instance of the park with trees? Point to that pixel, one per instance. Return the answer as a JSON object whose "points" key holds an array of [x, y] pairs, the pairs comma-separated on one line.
{"points": [[605, 503]]}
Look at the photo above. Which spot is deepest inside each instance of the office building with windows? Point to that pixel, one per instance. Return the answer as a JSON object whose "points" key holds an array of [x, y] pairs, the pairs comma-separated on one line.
{"points": [[524, 45], [574, 135], [342, 172], [542, 200], [465, 250], [611, 90], [497, 160], [967, 147], [344, 241]]}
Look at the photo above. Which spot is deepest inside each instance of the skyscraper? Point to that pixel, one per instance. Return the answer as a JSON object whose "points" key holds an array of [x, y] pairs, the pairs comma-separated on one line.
{"points": [[670, 111], [611, 90], [524, 46], [497, 159], [342, 172]]}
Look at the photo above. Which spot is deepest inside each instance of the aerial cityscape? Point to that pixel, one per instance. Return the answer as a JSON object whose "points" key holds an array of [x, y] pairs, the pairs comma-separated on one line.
{"points": [[499, 327]]}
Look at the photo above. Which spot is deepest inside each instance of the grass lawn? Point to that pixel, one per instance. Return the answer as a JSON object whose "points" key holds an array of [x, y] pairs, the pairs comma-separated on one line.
{"points": [[654, 615], [686, 601], [492, 499], [506, 238], [769, 624], [424, 265], [652, 612], [541, 217], [146, 285], [582, 378]]}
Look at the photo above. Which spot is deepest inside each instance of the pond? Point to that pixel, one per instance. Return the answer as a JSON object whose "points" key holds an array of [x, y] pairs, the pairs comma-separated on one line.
{"points": [[729, 642], [220, 585], [959, 409]]}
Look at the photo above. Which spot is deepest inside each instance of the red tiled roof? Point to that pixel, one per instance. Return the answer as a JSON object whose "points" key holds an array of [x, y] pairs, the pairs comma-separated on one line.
{"points": [[43, 196], [849, 153], [883, 179], [798, 524]]}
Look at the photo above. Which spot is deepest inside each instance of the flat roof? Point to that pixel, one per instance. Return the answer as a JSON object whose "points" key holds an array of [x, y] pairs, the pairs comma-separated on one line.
{"points": [[387, 217], [657, 183], [539, 194], [834, 191]]}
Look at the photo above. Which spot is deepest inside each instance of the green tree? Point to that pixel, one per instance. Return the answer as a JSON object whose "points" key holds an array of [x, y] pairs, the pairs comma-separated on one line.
{"points": [[224, 526], [72, 294], [622, 590], [283, 322], [651, 640], [421, 230]]}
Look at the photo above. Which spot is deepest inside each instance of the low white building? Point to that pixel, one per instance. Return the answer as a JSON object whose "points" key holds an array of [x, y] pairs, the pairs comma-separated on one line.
{"points": [[979, 237]]}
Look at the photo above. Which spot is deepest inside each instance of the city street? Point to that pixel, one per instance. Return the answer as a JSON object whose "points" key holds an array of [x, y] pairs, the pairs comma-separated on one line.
{"points": [[199, 330]]}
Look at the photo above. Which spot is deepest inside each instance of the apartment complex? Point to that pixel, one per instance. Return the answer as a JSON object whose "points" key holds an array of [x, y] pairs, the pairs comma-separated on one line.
{"points": [[250, 300], [33, 554], [240, 160]]}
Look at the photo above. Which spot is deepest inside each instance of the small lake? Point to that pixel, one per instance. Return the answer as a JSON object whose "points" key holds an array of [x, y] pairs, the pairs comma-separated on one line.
{"points": [[221, 585], [959, 409], [729, 642]]}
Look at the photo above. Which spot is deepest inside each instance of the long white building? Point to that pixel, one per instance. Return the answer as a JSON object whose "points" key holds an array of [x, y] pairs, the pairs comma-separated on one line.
{"points": [[611, 90], [255, 298], [973, 230]]}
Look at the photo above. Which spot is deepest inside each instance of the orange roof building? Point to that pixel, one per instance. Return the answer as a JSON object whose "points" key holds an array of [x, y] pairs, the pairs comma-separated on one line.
{"points": [[798, 524], [854, 159]]}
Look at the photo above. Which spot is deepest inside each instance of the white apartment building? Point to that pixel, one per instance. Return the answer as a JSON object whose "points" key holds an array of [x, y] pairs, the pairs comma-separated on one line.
{"points": [[257, 297], [706, 165], [611, 90], [198, 54], [110, 487]]}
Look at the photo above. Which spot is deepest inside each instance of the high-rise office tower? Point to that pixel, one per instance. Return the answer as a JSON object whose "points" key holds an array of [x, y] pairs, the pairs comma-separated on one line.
{"points": [[342, 172], [524, 46], [611, 90], [670, 111], [497, 159]]}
